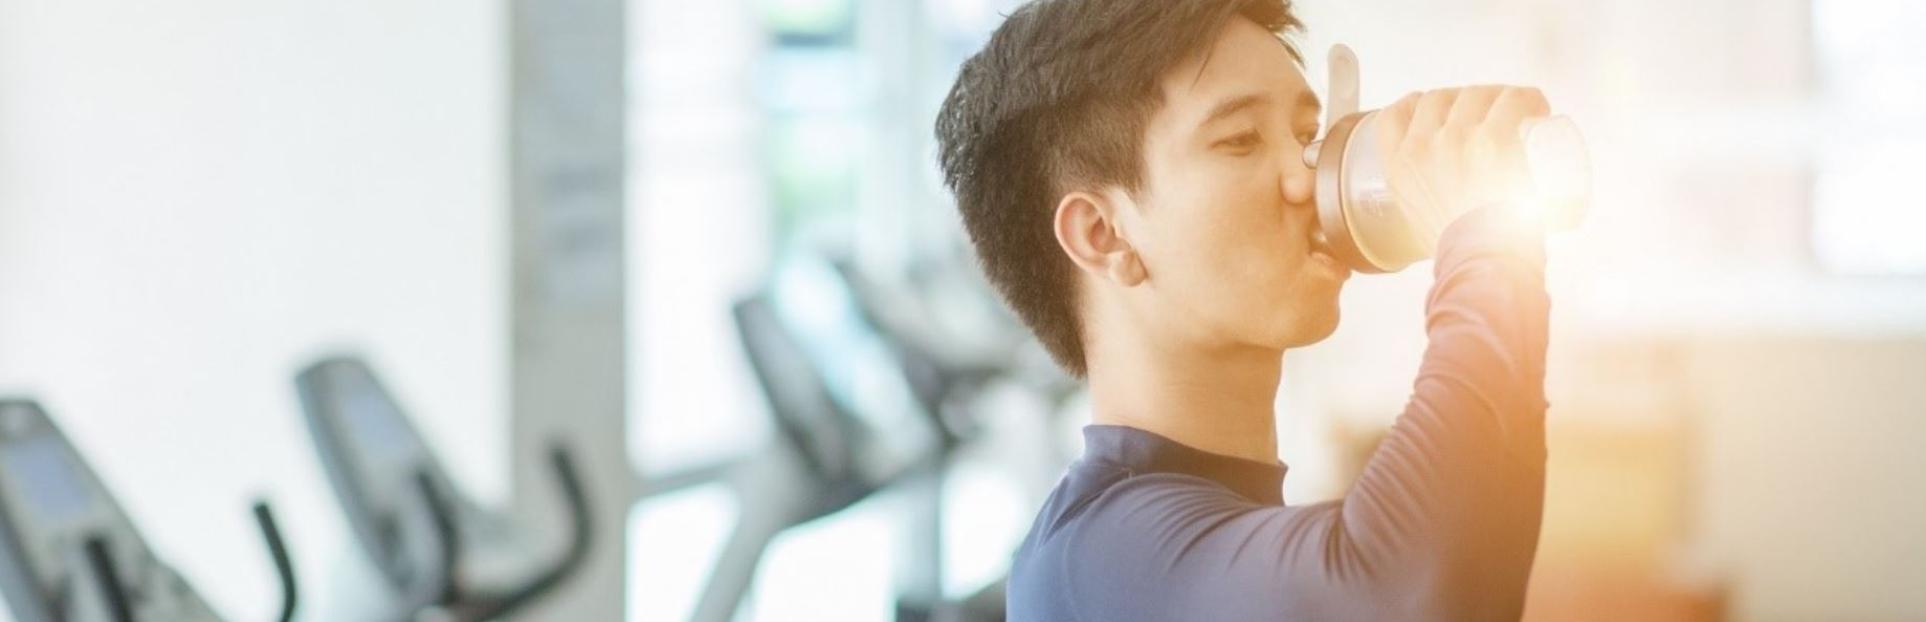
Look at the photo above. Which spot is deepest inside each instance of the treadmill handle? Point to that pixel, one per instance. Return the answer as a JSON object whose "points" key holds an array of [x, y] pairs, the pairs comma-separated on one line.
{"points": [[277, 548], [569, 481]]}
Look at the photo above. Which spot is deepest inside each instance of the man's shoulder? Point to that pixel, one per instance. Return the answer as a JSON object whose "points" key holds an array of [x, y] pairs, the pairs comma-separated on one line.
{"points": [[1102, 536], [1110, 512]]}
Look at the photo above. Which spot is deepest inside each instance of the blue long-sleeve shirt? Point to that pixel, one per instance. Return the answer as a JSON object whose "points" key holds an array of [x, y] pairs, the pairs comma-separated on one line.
{"points": [[1441, 525]]}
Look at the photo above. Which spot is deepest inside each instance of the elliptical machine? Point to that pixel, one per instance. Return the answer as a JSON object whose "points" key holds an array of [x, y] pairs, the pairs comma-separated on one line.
{"points": [[437, 551], [68, 553]]}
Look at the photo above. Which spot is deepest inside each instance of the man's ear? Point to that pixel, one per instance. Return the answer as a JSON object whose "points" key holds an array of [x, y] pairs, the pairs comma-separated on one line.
{"points": [[1090, 233]]}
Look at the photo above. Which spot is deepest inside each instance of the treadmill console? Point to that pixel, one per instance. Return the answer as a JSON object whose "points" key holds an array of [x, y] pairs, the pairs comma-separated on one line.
{"points": [[67, 551]]}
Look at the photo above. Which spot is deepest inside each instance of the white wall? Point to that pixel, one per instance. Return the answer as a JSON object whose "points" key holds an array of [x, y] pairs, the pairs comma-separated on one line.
{"points": [[194, 196]]}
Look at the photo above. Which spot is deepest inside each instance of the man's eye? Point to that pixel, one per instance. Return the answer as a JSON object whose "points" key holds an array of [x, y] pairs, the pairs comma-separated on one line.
{"points": [[1242, 142]]}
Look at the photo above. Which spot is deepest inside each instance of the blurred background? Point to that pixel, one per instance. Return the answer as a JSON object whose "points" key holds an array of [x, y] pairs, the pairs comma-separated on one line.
{"points": [[707, 246]]}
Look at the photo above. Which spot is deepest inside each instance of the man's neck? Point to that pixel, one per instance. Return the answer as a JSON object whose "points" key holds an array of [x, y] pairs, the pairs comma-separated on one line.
{"points": [[1219, 400]]}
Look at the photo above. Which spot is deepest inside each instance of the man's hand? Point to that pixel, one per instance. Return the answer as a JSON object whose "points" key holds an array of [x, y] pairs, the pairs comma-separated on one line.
{"points": [[1450, 151]]}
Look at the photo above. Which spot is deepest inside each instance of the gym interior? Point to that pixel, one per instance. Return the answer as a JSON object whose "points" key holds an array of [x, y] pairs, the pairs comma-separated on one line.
{"points": [[659, 310]]}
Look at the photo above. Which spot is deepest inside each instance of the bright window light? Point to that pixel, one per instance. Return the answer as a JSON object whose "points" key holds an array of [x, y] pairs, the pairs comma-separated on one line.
{"points": [[1868, 217]]}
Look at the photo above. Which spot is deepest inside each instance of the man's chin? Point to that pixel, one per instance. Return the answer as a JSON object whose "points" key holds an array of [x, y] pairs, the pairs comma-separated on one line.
{"points": [[1313, 329]]}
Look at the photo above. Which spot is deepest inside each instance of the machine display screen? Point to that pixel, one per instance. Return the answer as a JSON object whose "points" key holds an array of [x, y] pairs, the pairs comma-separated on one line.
{"points": [[373, 423], [50, 483], [860, 371]]}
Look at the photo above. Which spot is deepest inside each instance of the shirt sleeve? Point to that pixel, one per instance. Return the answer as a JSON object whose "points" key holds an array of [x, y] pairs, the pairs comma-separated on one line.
{"points": [[1441, 525]]}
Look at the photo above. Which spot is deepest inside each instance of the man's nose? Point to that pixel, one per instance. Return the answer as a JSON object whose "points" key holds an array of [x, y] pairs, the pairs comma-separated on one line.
{"points": [[1297, 179]]}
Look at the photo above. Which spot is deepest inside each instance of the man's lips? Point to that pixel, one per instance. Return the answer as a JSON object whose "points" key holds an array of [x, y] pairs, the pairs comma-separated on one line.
{"points": [[1321, 253], [1318, 246]]}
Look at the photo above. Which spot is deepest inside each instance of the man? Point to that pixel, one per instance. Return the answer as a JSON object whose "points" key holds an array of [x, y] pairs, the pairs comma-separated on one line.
{"points": [[1130, 172]]}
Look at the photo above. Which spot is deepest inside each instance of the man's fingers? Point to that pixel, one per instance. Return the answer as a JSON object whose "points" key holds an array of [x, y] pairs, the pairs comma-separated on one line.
{"points": [[1515, 104], [1393, 120], [1469, 109], [1431, 112]]}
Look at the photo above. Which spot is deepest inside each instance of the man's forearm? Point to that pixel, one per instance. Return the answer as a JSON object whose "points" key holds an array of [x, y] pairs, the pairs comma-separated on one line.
{"points": [[1455, 491]]}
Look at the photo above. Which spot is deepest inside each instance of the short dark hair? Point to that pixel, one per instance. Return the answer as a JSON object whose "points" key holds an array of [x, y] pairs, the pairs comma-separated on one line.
{"points": [[1059, 98]]}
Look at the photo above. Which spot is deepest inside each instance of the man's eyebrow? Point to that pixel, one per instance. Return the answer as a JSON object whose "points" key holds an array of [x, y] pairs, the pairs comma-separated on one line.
{"points": [[1233, 105], [1307, 102]]}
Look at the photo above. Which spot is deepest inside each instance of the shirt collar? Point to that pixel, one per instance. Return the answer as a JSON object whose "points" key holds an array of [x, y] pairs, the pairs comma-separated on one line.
{"points": [[1146, 452]]}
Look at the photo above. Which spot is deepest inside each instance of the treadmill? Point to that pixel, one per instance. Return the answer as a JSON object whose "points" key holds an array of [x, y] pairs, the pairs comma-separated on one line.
{"points": [[68, 553], [438, 552], [849, 425], [945, 379]]}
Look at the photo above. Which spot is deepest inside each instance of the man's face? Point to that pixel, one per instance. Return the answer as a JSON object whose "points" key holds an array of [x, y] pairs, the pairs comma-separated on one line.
{"points": [[1225, 210]]}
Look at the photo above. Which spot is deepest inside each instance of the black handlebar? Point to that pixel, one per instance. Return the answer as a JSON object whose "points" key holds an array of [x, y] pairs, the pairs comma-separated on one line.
{"points": [[101, 562], [581, 531], [283, 566], [120, 604], [469, 606], [444, 585]]}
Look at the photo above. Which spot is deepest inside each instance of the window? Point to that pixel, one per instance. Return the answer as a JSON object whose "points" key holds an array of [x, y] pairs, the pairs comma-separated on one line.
{"points": [[1868, 217]]}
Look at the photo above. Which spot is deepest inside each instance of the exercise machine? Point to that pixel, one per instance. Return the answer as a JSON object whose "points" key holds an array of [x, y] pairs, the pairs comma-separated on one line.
{"points": [[439, 553], [858, 412], [68, 553], [950, 374], [833, 448]]}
